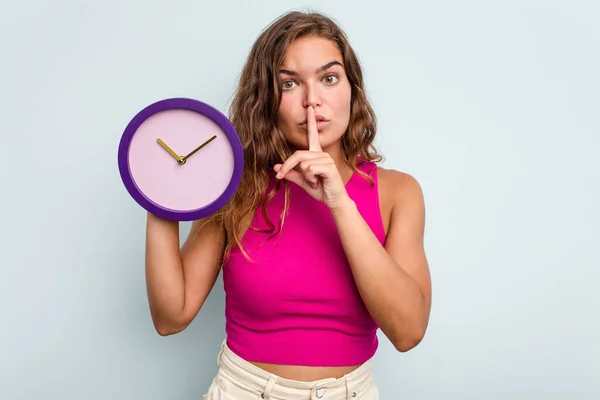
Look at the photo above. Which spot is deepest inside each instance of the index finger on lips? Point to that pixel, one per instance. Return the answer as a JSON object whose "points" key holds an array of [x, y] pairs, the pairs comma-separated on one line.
{"points": [[312, 131]]}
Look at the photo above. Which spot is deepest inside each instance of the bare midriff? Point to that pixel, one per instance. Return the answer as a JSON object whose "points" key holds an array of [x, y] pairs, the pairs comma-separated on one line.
{"points": [[305, 373]]}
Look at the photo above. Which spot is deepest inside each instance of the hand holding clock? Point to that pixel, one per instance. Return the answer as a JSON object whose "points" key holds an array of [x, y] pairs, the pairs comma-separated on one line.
{"points": [[314, 170]]}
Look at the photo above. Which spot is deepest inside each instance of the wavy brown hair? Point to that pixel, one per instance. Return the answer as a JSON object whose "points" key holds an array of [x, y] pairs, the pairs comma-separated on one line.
{"points": [[253, 113]]}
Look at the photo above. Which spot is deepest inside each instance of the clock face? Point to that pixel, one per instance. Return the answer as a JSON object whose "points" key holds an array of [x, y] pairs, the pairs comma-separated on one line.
{"points": [[180, 159]]}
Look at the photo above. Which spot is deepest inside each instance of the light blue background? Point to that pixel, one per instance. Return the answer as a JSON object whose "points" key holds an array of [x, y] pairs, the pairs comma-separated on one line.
{"points": [[492, 105]]}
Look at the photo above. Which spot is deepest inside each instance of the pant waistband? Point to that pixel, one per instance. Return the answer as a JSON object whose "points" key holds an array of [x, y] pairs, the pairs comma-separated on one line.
{"points": [[271, 384]]}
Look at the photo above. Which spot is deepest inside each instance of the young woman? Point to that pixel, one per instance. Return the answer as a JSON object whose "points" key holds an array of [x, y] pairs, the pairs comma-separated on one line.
{"points": [[319, 247]]}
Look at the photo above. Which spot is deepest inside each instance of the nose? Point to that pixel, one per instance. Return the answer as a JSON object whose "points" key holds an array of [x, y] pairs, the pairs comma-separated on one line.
{"points": [[311, 96]]}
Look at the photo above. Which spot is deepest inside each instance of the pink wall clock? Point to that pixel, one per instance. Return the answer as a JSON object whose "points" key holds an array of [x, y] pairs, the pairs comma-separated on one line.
{"points": [[180, 159]]}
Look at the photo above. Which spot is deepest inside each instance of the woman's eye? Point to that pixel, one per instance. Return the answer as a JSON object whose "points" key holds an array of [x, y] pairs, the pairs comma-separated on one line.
{"points": [[287, 84], [331, 79]]}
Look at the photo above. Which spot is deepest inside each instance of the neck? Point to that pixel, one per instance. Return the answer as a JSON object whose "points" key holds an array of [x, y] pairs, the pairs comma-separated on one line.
{"points": [[335, 151]]}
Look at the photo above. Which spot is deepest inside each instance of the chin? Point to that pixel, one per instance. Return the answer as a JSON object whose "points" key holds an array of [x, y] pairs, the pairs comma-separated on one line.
{"points": [[330, 136]]}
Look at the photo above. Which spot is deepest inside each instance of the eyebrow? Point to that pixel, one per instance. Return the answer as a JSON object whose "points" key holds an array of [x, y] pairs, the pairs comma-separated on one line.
{"points": [[319, 70]]}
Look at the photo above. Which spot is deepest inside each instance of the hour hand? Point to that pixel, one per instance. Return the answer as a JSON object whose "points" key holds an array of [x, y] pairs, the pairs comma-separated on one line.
{"points": [[167, 148]]}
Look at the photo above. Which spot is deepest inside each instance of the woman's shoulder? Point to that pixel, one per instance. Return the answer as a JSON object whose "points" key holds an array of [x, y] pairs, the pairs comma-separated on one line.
{"points": [[398, 186], [395, 176]]}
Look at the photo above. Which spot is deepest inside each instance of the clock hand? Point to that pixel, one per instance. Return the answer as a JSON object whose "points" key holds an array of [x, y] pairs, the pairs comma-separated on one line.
{"points": [[183, 159], [167, 148]]}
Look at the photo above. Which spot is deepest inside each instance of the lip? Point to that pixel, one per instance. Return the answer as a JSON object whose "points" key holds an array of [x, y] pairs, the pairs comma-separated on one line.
{"points": [[320, 125], [321, 122], [318, 117]]}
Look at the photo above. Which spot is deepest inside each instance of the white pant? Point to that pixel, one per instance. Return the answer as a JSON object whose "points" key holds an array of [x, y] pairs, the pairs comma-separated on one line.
{"points": [[237, 379]]}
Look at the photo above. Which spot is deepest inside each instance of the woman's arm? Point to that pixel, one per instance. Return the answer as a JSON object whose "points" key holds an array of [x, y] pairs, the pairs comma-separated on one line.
{"points": [[394, 281], [179, 281]]}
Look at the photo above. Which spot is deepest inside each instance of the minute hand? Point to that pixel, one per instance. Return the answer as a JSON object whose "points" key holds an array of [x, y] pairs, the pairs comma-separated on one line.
{"points": [[198, 148]]}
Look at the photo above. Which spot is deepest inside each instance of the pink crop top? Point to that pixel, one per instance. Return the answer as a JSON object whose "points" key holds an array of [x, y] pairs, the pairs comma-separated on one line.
{"points": [[297, 303]]}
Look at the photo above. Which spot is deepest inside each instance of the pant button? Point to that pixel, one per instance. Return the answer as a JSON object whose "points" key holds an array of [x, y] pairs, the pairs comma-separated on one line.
{"points": [[320, 392]]}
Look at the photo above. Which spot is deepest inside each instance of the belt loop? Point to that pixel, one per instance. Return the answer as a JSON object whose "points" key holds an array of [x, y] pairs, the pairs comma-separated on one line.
{"points": [[220, 353], [350, 394], [347, 387], [269, 387]]}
